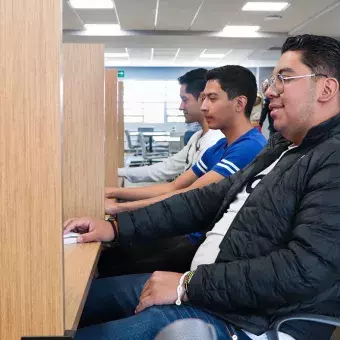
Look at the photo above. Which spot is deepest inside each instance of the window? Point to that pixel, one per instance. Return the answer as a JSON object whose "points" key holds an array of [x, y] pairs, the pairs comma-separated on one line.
{"points": [[151, 102]]}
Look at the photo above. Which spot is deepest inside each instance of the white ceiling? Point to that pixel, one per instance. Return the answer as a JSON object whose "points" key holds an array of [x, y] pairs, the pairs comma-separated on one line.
{"points": [[185, 28]]}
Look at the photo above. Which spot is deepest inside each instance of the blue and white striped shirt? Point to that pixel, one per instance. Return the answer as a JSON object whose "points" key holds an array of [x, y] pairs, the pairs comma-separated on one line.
{"points": [[227, 159]]}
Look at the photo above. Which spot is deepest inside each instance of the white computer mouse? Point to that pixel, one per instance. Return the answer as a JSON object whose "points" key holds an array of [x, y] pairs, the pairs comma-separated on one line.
{"points": [[70, 238], [71, 235]]}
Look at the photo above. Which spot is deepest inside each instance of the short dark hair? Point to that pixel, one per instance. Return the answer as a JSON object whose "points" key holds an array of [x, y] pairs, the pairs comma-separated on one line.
{"points": [[236, 81], [320, 53], [195, 81]]}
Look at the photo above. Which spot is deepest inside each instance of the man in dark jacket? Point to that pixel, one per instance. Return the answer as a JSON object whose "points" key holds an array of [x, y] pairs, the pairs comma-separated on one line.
{"points": [[273, 241]]}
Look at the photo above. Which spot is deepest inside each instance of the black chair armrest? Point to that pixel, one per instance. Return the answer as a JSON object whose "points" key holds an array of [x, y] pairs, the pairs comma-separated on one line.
{"points": [[273, 333]]}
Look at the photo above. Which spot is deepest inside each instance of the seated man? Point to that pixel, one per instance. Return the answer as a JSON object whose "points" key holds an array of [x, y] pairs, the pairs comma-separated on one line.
{"points": [[192, 84], [278, 249], [229, 96]]}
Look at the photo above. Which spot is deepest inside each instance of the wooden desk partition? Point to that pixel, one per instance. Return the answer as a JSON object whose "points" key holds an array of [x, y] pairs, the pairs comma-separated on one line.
{"points": [[83, 164], [111, 121], [31, 280], [83, 131], [120, 124]]}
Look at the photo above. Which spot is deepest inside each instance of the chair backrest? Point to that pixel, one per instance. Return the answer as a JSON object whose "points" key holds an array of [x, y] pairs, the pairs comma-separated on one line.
{"points": [[141, 141], [188, 329], [146, 129], [128, 138]]}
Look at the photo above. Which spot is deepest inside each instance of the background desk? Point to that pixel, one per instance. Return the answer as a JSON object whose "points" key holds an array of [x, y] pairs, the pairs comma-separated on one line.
{"points": [[80, 263], [151, 136]]}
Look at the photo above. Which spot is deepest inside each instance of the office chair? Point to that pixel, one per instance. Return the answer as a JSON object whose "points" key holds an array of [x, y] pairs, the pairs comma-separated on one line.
{"points": [[188, 329], [148, 157], [132, 148]]}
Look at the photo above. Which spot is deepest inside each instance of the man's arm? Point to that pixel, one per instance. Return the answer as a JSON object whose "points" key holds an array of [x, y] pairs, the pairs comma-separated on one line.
{"points": [[181, 214], [134, 194], [209, 178], [307, 266], [237, 157], [168, 169]]}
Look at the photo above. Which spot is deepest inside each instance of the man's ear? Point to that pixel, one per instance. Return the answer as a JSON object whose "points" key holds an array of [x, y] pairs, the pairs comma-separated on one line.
{"points": [[329, 90], [241, 103]]}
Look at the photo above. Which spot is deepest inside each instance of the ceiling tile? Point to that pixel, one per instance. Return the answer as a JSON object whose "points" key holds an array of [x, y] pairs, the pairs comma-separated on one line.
{"points": [[71, 20], [98, 16], [115, 50], [176, 14], [215, 15], [136, 14]]}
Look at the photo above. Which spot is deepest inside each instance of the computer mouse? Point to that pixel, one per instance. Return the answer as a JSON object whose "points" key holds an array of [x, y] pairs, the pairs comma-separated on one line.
{"points": [[71, 235], [70, 238]]}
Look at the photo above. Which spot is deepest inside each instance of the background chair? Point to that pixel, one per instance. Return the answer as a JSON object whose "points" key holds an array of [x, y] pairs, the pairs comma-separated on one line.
{"points": [[157, 154], [132, 148]]}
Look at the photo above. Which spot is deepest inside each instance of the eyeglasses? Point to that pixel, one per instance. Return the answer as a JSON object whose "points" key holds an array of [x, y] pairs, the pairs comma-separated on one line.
{"points": [[276, 82]]}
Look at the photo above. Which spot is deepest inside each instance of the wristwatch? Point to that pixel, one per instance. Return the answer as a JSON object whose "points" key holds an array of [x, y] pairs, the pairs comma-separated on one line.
{"points": [[187, 281], [113, 220]]}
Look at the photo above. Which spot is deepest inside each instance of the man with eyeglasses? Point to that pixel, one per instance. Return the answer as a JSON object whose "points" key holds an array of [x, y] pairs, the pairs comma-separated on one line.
{"points": [[273, 246]]}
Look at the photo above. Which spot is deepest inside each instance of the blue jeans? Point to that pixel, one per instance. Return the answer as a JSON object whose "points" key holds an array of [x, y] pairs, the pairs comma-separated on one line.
{"points": [[109, 312]]}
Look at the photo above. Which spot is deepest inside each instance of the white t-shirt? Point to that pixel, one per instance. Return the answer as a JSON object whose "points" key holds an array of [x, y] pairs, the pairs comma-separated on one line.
{"points": [[209, 249], [176, 164]]}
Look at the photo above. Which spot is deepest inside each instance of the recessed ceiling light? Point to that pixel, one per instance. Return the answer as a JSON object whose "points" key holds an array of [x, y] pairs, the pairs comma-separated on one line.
{"points": [[212, 55], [265, 6], [240, 31], [102, 29], [116, 55], [91, 4]]}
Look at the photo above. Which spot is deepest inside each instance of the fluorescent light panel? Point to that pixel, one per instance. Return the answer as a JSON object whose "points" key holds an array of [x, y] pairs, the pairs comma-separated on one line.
{"points": [[91, 4], [240, 31], [102, 29], [265, 6]]}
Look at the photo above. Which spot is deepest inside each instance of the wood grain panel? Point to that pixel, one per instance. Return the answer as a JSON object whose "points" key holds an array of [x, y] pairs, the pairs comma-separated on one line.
{"points": [[83, 131], [111, 121], [31, 280], [120, 124], [80, 264]]}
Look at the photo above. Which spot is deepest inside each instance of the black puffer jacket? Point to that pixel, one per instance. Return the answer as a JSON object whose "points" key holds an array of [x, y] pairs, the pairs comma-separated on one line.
{"points": [[281, 254]]}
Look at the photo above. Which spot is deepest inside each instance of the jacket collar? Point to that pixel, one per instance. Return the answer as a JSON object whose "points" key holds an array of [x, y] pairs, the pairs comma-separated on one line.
{"points": [[323, 131]]}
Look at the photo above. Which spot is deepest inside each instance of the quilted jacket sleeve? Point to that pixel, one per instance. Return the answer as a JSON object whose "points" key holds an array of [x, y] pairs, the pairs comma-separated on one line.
{"points": [[307, 266], [178, 215]]}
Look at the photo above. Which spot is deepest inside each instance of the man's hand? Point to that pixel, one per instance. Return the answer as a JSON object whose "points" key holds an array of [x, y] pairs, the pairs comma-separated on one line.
{"points": [[92, 230], [110, 192], [160, 289], [112, 207]]}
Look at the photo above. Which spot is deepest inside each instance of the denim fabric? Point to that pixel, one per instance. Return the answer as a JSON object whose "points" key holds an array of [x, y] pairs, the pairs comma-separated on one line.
{"points": [[109, 312]]}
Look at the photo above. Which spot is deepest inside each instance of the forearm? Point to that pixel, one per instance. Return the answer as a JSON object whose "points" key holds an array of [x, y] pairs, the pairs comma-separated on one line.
{"points": [[179, 215], [131, 206], [140, 193]]}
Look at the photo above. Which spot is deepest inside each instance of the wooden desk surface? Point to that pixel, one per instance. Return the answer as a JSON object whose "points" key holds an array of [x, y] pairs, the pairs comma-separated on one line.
{"points": [[80, 262]]}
